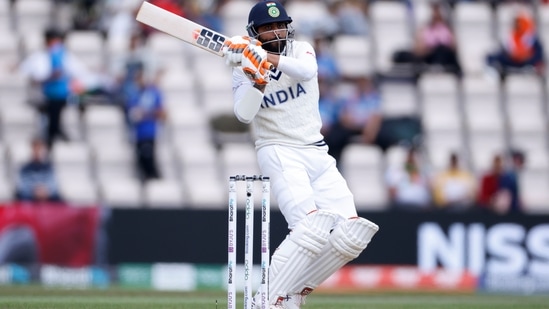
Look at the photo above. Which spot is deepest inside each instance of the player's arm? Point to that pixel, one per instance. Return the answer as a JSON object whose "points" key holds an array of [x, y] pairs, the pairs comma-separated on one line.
{"points": [[247, 96], [302, 67]]}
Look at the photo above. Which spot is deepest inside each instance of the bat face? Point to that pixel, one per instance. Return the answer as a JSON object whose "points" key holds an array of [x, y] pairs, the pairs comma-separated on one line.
{"points": [[209, 40], [181, 28]]}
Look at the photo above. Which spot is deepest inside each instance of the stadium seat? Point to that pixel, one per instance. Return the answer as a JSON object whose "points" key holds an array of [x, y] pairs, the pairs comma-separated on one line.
{"points": [[163, 193], [88, 46], [362, 166], [32, 16], [19, 123], [523, 94], [18, 153], [71, 122], [355, 61], [79, 191], [238, 159], [167, 49], [534, 193], [399, 99], [14, 90], [6, 189], [104, 124], [473, 24], [234, 14], [115, 161], [121, 192], [72, 160], [391, 30], [9, 49], [310, 17], [205, 187]]}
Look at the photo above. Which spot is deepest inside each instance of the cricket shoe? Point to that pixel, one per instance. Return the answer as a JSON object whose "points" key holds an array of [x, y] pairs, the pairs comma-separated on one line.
{"points": [[293, 301]]}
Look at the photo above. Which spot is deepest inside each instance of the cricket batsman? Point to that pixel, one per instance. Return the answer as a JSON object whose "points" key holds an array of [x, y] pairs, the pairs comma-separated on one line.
{"points": [[276, 90]]}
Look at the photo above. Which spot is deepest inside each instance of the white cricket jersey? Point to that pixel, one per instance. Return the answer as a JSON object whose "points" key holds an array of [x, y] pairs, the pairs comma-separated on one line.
{"points": [[289, 112]]}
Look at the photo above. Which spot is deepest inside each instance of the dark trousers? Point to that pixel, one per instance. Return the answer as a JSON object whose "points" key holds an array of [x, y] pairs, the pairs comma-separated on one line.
{"points": [[146, 159], [53, 110]]}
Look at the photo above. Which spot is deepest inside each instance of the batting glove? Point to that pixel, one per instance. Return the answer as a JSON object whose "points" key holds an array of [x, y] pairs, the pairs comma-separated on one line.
{"points": [[255, 64], [233, 48]]}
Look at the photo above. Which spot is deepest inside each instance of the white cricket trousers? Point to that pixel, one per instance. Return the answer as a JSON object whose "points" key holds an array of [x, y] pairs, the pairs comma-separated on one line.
{"points": [[305, 179]]}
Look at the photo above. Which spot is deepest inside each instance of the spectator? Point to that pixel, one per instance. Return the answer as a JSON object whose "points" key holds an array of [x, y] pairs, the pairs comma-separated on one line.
{"points": [[36, 179], [59, 74], [435, 43], [328, 104], [126, 67], [352, 16], [509, 197], [145, 112], [408, 184], [489, 184], [328, 69], [522, 48], [454, 188], [359, 115]]}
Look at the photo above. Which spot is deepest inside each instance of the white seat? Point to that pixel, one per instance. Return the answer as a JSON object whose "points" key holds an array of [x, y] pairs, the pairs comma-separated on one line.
{"points": [[13, 90], [524, 97], [32, 15], [391, 31], [216, 90], [121, 193], [473, 24], [394, 156], [114, 161], [204, 187], [534, 193], [482, 105], [87, 46], [9, 50], [483, 147], [20, 123], [166, 48], [355, 61], [163, 194], [399, 99], [18, 153], [235, 16], [6, 189], [362, 167], [179, 84], [104, 124], [79, 191], [201, 153], [311, 17], [72, 160], [239, 159], [72, 122]]}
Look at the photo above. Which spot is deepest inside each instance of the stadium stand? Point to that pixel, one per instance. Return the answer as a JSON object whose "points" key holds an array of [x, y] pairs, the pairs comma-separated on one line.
{"points": [[478, 115]]}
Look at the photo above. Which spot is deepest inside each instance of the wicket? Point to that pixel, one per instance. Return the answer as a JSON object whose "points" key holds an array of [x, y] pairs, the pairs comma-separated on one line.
{"points": [[248, 240]]}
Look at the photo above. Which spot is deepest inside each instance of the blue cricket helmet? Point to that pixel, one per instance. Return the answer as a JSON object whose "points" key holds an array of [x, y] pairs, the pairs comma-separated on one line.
{"points": [[266, 12]]}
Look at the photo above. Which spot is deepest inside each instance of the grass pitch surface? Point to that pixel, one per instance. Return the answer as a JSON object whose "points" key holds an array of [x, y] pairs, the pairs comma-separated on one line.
{"points": [[42, 298]]}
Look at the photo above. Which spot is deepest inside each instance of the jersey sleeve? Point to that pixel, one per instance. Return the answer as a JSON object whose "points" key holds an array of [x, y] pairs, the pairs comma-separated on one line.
{"points": [[303, 65]]}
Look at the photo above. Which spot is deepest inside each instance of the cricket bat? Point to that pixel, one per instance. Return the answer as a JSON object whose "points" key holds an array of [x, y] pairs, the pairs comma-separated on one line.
{"points": [[181, 28], [202, 37]]}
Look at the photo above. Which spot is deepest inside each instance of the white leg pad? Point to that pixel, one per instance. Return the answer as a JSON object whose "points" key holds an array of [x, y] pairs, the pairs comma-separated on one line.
{"points": [[297, 251], [345, 243]]}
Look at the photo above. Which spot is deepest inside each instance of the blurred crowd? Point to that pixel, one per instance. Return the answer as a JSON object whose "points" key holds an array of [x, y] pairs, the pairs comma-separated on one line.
{"points": [[351, 116]]}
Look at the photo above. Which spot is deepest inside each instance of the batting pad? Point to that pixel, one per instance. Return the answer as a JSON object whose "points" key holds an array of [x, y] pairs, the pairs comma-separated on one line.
{"points": [[345, 244], [246, 109], [297, 251]]}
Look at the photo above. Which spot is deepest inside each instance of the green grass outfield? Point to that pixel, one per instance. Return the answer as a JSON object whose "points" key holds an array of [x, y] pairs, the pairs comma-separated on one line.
{"points": [[12, 297]]}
